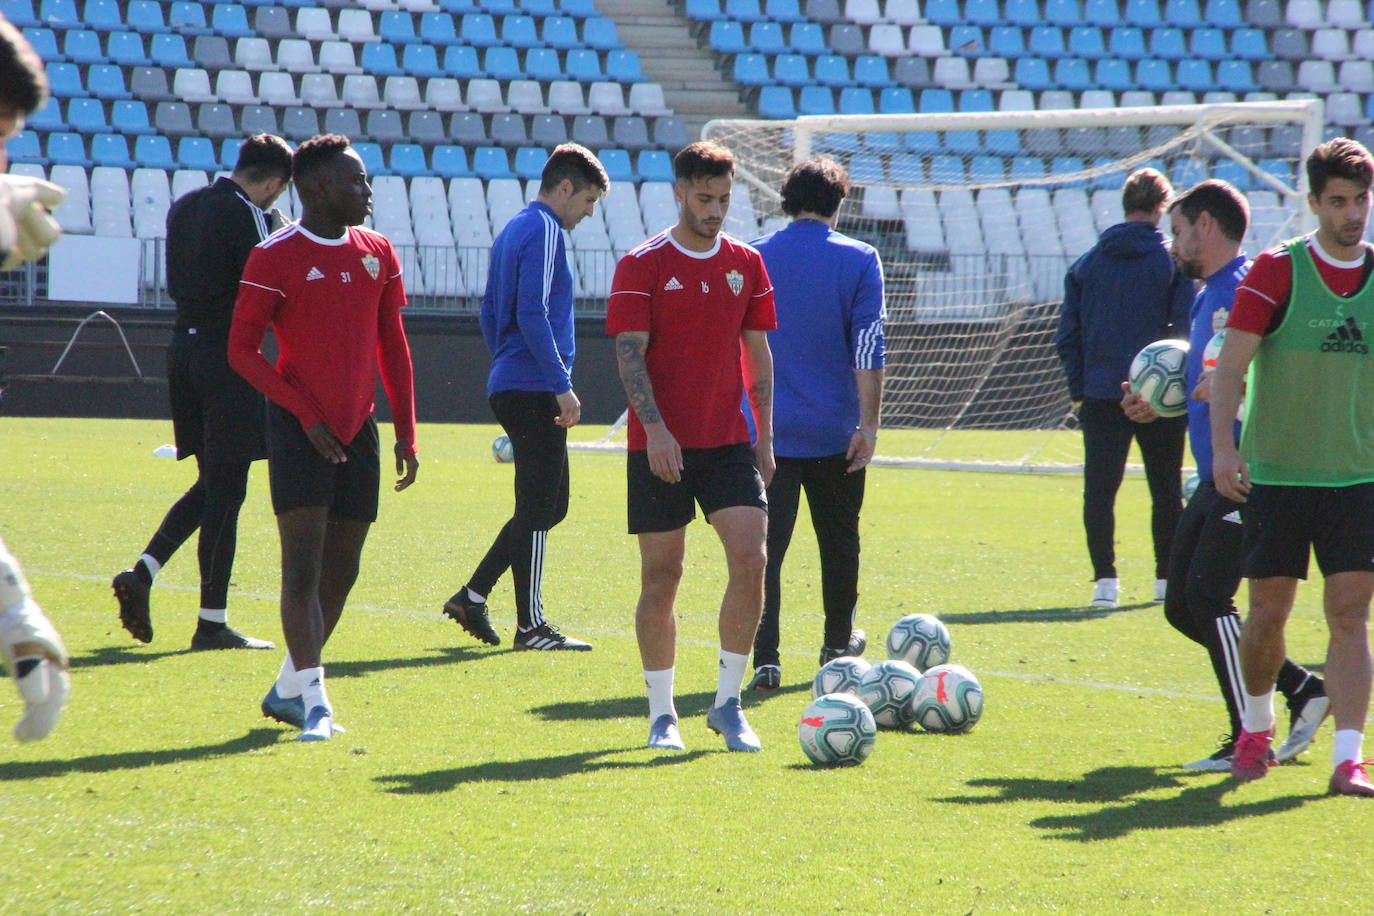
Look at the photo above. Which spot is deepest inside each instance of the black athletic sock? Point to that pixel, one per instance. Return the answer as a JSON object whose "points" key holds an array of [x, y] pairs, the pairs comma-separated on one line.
{"points": [[144, 574], [207, 627], [1291, 678]]}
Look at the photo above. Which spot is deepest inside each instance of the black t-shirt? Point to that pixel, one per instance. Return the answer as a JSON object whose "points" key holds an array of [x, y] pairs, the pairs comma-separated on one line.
{"points": [[210, 232]]}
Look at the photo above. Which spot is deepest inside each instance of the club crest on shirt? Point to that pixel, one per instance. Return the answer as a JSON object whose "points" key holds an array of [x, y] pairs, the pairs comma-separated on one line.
{"points": [[372, 265], [736, 281], [1219, 319]]}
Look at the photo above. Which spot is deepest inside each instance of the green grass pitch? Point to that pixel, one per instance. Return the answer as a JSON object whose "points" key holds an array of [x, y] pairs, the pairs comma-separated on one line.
{"points": [[479, 780]]}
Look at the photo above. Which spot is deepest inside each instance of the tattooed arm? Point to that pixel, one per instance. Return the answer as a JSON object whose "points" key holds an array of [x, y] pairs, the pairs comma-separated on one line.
{"points": [[758, 363], [665, 456]]}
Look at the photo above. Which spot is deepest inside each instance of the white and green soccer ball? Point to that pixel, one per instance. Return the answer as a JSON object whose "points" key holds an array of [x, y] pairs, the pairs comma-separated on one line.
{"points": [[920, 640], [837, 729], [839, 675], [949, 699], [1156, 375], [502, 450], [1213, 350], [887, 689]]}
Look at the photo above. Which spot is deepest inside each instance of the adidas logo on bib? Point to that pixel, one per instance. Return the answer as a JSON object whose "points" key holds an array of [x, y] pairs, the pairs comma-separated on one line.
{"points": [[1347, 338]]}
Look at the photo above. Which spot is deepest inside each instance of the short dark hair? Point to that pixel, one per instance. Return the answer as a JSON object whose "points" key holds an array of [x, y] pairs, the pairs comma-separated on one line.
{"points": [[573, 162], [264, 156], [1219, 198], [703, 159], [23, 81], [1339, 158], [315, 152], [815, 186], [1144, 190]]}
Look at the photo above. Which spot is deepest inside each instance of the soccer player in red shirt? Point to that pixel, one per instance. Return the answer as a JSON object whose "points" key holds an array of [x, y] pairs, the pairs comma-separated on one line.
{"points": [[332, 292], [1301, 325], [683, 306]]}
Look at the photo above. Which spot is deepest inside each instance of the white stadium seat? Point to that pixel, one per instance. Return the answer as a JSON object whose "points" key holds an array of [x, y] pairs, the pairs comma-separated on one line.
{"points": [[647, 99], [278, 89], [356, 26], [253, 54], [360, 91], [443, 94], [402, 93], [313, 24], [74, 213], [565, 98], [235, 87], [294, 55], [192, 84], [337, 57], [526, 97], [110, 205], [318, 91], [484, 95], [606, 99], [187, 180], [151, 196]]}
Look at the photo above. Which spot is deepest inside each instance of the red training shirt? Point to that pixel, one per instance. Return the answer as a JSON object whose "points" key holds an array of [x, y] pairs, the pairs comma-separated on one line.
{"points": [[335, 307], [1266, 288], [694, 306]]}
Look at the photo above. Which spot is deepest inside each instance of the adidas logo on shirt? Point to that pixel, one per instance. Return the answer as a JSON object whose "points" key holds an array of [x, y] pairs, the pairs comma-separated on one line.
{"points": [[1232, 516], [671, 285], [314, 274], [1347, 338]]}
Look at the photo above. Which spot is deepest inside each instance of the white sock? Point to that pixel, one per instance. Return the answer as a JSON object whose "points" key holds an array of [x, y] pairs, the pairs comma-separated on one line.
{"points": [[732, 668], [473, 596], [286, 680], [153, 565], [1257, 712], [1347, 746], [660, 684], [311, 683], [215, 615]]}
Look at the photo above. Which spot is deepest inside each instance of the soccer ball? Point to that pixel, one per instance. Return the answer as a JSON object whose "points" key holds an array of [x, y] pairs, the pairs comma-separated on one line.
{"points": [[502, 450], [887, 688], [948, 699], [837, 729], [1156, 375], [1190, 486], [920, 640], [1213, 350], [839, 675]]}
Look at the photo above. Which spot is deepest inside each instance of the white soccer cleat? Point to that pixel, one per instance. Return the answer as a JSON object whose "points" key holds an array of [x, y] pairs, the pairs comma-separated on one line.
{"points": [[1106, 592], [1161, 590], [33, 652], [44, 685]]}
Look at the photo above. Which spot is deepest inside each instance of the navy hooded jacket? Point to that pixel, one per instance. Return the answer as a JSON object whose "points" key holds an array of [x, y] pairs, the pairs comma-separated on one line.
{"points": [[1123, 294]]}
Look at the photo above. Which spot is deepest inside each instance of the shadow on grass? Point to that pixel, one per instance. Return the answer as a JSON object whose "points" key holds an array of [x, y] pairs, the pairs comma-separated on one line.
{"points": [[131, 654], [1197, 805], [1044, 614], [255, 739], [689, 704], [124, 655], [536, 768]]}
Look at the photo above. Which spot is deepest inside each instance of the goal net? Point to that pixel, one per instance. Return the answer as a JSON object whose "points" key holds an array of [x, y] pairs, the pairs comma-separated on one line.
{"points": [[978, 216]]}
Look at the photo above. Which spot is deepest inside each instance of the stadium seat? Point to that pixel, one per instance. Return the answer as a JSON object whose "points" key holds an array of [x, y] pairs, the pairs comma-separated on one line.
{"points": [[418, 60], [815, 100], [766, 37], [670, 133], [277, 89], [63, 148], [623, 66], [258, 119], [1328, 44], [443, 94], [491, 162], [952, 73], [1249, 44], [943, 12], [1208, 44], [508, 130], [1046, 41], [152, 152], [484, 95], [314, 24], [1072, 73], [402, 93], [550, 130], [911, 72], [450, 162], [1113, 74], [566, 97], [560, 32], [356, 26], [1183, 14], [887, 39], [113, 150], [529, 162], [776, 102], [1317, 76], [704, 10], [460, 62], [1032, 73], [437, 29], [251, 54], [169, 51], [49, 117], [82, 46], [173, 119], [630, 132], [64, 80], [111, 208], [783, 11], [583, 65], [1007, 41], [468, 129], [423, 127], [320, 90], [846, 38], [869, 69], [502, 64], [1357, 76], [373, 161], [1235, 76], [1195, 75], [543, 64], [1086, 41], [344, 121], [1168, 44], [590, 131], [600, 33], [1345, 109], [1346, 14], [87, 116], [230, 20], [397, 27], [526, 97], [864, 12], [299, 123], [855, 100], [966, 39], [193, 85], [896, 100], [407, 159], [976, 100], [647, 99], [1303, 14], [360, 91], [1154, 75], [1143, 13], [295, 55], [337, 57], [235, 87], [216, 122]]}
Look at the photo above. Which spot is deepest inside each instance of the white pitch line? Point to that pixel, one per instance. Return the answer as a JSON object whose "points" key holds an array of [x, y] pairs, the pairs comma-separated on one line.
{"points": [[682, 640]]}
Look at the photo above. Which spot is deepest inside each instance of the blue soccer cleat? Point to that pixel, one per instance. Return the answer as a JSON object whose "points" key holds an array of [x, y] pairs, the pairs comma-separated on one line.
{"points": [[728, 720], [664, 736], [286, 710], [319, 726]]}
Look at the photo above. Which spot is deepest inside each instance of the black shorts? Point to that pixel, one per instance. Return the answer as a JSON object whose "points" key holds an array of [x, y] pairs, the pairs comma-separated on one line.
{"points": [[715, 478], [300, 477], [215, 412], [1283, 525]]}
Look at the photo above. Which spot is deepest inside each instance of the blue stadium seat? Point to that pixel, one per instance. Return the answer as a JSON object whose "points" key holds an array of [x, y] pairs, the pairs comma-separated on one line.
{"points": [[561, 32], [451, 162], [197, 153], [815, 100], [704, 10], [936, 101], [1114, 75], [543, 64], [776, 102], [20, 13], [869, 70], [584, 66], [1023, 13], [437, 29], [982, 12], [966, 39], [1224, 14], [529, 162], [976, 100], [783, 11], [1072, 73], [767, 38], [130, 117], [1126, 43], [1033, 73], [981, 169], [578, 9], [1007, 41], [1063, 13], [102, 15], [106, 81], [498, 7], [922, 141], [1066, 165], [229, 152], [64, 148], [479, 30], [188, 18], [490, 162], [1003, 142], [943, 12], [751, 70], [230, 20], [833, 70], [1249, 44], [1168, 44], [1107, 180], [599, 32], [1086, 41], [1188, 172], [807, 38], [520, 32], [896, 100], [1183, 14], [169, 51], [145, 17], [113, 150], [460, 62], [379, 59], [866, 168], [126, 49], [1144, 13], [966, 142], [64, 80], [44, 42], [1236, 76], [1154, 75], [790, 70], [617, 163], [1209, 44], [538, 7], [397, 27], [59, 14], [420, 60], [655, 165], [502, 64], [906, 166], [153, 152], [855, 100], [745, 11], [1046, 41], [886, 141], [623, 67], [82, 46], [1195, 75], [47, 118], [87, 116], [24, 147], [408, 160], [1102, 13], [1027, 168], [1232, 171]]}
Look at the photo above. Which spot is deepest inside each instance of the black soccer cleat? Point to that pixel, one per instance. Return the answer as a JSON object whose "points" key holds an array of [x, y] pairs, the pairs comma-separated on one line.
{"points": [[546, 638], [472, 617], [225, 637], [134, 614], [858, 642], [766, 677]]}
